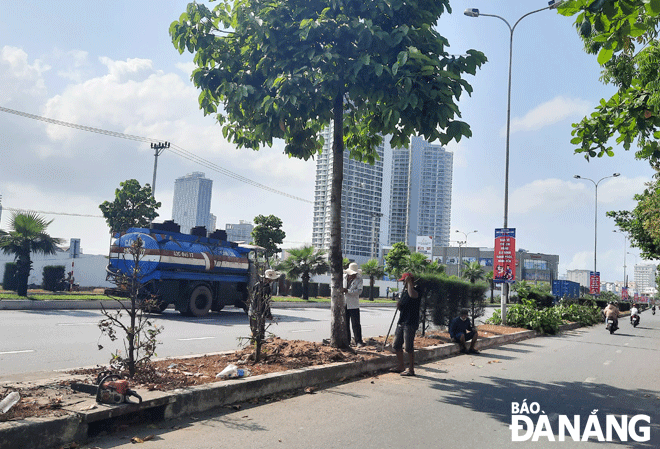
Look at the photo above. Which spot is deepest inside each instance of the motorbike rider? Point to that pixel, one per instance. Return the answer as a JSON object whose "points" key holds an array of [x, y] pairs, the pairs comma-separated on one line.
{"points": [[611, 311], [634, 312]]}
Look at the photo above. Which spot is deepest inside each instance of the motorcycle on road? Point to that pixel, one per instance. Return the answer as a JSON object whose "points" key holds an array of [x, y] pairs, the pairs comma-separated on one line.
{"points": [[611, 325]]}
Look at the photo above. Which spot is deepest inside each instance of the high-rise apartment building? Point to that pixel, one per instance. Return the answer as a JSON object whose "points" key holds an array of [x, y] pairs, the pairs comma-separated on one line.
{"points": [[420, 195], [192, 202], [406, 193], [645, 278], [363, 208], [241, 232]]}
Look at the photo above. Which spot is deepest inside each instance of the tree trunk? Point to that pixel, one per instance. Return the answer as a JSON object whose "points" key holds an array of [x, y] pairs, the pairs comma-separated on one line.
{"points": [[338, 337], [23, 265], [371, 288], [305, 286]]}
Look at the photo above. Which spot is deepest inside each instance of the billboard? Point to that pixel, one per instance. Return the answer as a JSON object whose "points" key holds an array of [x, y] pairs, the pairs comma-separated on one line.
{"points": [[504, 269], [424, 245], [594, 282]]}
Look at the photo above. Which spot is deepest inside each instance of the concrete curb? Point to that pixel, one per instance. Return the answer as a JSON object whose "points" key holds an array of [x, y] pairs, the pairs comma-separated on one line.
{"points": [[38, 433]]}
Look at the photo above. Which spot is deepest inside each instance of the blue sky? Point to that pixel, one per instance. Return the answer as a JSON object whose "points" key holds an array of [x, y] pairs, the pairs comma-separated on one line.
{"points": [[112, 66]]}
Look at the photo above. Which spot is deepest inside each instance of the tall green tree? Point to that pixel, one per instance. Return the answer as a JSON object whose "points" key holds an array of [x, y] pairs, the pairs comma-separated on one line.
{"points": [[287, 69], [268, 234], [303, 263], [27, 235], [395, 259], [133, 206], [624, 34], [643, 223], [375, 271]]}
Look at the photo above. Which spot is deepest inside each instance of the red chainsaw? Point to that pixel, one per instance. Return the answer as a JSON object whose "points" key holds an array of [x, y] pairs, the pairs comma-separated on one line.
{"points": [[113, 389]]}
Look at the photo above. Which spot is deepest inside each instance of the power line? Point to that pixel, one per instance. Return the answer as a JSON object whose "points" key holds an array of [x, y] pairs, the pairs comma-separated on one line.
{"points": [[174, 149], [18, 211]]}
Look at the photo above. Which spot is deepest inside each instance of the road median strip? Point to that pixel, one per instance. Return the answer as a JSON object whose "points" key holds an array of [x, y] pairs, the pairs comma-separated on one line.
{"points": [[87, 418]]}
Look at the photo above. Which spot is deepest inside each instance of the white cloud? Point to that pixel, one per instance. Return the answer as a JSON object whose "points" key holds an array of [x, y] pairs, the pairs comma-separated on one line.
{"points": [[548, 113], [18, 77]]}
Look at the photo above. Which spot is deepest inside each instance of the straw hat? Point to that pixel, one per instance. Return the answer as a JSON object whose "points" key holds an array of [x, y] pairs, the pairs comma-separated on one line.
{"points": [[271, 274], [353, 268]]}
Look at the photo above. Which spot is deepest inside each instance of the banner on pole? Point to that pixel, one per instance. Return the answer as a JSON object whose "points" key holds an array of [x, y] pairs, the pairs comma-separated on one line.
{"points": [[504, 263], [594, 282]]}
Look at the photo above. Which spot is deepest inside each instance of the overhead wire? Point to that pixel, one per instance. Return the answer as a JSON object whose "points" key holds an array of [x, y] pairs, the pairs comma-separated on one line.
{"points": [[179, 151]]}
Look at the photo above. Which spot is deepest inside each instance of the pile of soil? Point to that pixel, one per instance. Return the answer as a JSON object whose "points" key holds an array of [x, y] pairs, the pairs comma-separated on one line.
{"points": [[172, 373]]}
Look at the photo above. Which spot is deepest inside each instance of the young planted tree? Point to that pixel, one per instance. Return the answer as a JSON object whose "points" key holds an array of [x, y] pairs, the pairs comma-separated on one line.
{"points": [[304, 263], [268, 234], [26, 235], [281, 69], [374, 271], [133, 206], [139, 334]]}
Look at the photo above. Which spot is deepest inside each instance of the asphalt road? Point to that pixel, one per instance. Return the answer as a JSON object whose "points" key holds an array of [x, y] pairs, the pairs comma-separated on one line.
{"points": [[462, 401], [34, 343]]}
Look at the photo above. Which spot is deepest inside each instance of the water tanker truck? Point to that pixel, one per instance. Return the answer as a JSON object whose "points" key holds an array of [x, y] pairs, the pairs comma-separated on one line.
{"points": [[194, 272]]}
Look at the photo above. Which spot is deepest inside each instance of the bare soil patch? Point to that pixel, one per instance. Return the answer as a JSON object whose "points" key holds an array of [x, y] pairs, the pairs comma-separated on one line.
{"points": [[55, 398]]}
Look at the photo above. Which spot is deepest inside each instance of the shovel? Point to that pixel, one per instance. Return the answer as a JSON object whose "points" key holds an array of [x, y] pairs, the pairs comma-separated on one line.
{"points": [[382, 348]]}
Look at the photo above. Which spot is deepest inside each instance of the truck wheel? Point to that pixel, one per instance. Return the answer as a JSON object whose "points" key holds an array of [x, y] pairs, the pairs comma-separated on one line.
{"points": [[200, 301]]}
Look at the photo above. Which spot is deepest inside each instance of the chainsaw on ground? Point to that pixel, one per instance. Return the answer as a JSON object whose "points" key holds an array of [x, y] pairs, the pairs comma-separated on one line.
{"points": [[113, 389]]}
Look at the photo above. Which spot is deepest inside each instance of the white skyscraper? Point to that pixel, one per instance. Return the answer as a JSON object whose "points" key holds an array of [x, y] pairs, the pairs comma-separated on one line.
{"points": [[404, 194], [364, 209], [192, 202], [420, 195]]}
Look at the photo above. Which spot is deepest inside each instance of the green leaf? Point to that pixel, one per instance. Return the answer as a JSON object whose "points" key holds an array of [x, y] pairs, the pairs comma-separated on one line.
{"points": [[604, 55]]}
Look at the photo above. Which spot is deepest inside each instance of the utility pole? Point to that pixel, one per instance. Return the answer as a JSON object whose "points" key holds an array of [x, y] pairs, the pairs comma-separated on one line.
{"points": [[158, 150]]}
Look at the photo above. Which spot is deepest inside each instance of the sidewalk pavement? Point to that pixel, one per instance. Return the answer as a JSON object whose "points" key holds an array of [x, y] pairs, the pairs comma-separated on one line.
{"points": [[83, 421]]}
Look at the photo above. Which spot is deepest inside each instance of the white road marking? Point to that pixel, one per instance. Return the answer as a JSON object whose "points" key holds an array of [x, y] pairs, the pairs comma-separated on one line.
{"points": [[302, 330], [195, 338], [590, 380], [607, 362], [618, 351], [95, 323], [17, 352]]}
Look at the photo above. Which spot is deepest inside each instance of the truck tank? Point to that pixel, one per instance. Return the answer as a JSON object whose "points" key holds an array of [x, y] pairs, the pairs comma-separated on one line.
{"points": [[164, 252]]}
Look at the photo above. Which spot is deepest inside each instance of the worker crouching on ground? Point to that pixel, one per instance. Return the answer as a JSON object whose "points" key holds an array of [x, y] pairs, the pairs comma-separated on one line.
{"points": [[461, 331]]}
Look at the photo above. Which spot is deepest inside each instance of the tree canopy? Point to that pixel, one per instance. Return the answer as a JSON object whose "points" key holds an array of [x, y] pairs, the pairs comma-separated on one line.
{"points": [[612, 29], [268, 233], [133, 206], [286, 69]]}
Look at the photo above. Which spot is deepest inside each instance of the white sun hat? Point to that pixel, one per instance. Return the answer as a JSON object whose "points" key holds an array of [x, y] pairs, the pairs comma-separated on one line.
{"points": [[353, 268], [271, 274]]}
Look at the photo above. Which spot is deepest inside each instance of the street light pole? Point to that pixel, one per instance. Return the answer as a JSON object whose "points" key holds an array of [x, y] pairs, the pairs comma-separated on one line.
{"points": [[625, 250], [474, 12], [460, 260], [614, 175]]}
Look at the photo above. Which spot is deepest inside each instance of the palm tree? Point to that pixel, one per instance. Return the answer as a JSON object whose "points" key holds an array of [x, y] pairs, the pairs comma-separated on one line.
{"points": [[416, 263], [303, 263], [26, 235], [374, 271], [473, 271]]}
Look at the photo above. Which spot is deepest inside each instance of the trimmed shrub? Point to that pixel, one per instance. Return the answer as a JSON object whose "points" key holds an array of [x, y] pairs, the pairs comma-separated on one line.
{"points": [[313, 291], [10, 279], [365, 291], [296, 289], [324, 290], [53, 278]]}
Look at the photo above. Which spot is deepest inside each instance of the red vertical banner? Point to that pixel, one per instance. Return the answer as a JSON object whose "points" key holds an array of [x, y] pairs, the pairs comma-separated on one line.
{"points": [[504, 263], [594, 282], [624, 294]]}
